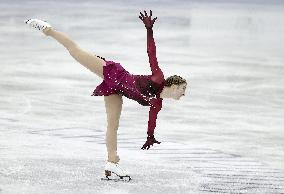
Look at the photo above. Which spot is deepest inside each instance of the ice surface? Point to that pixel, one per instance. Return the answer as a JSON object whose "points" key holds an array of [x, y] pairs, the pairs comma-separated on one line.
{"points": [[225, 136]]}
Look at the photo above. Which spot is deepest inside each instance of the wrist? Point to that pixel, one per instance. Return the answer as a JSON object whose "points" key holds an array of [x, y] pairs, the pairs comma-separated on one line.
{"points": [[150, 136]]}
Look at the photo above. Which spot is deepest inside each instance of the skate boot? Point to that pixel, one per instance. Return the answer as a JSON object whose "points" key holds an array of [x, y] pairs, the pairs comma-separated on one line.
{"points": [[114, 172], [37, 24]]}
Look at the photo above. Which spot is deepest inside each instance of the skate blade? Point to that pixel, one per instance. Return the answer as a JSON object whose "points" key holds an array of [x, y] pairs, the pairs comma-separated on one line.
{"points": [[109, 176], [123, 179]]}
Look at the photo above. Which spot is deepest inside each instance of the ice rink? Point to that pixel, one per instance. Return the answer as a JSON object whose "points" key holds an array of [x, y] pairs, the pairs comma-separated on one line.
{"points": [[225, 136]]}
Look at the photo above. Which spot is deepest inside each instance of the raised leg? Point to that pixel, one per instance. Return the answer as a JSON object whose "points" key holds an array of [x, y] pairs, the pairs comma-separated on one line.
{"points": [[113, 104], [87, 59]]}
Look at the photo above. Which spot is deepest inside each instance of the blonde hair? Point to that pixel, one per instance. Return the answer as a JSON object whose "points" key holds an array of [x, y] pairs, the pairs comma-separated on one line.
{"points": [[174, 80]]}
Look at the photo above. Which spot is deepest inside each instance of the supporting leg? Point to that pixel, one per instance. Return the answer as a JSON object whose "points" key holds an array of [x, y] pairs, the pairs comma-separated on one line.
{"points": [[113, 104]]}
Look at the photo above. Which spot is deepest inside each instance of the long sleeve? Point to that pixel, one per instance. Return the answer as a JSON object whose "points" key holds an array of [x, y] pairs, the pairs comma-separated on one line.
{"points": [[156, 106], [157, 74]]}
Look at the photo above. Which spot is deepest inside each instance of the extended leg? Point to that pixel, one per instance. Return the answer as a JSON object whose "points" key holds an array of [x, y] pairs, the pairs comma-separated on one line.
{"points": [[89, 60], [113, 104]]}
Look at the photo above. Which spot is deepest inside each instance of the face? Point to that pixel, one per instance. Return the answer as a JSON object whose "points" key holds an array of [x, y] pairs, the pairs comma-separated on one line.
{"points": [[179, 91]]}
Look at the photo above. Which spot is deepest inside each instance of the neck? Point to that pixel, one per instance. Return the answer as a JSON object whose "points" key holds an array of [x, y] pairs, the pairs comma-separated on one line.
{"points": [[166, 93]]}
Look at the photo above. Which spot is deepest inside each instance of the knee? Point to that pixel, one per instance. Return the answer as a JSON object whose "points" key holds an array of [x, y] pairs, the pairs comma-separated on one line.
{"points": [[73, 50]]}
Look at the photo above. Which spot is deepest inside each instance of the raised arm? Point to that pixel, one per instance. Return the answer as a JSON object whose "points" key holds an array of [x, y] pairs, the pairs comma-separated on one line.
{"points": [[151, 50], [157, 74]]}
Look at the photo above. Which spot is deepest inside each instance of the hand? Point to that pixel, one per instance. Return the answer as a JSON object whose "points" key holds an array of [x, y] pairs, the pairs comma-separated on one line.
{"points": [[150, 141], [147, 19]]}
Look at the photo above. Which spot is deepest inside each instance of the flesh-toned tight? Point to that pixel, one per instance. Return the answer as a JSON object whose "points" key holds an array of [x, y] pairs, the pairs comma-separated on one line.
{"points": [[113, 103]]}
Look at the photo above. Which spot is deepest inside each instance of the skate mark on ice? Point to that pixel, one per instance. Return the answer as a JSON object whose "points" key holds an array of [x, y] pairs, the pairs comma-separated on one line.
{"points": [[81, 134], [223, 172]]}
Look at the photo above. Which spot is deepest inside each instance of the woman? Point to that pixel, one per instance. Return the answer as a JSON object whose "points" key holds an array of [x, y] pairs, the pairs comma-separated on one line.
{"points": [[147, 90]]}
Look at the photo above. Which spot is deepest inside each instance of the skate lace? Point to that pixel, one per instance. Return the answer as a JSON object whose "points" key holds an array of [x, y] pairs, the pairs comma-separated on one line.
{"points": [[36, 25]]}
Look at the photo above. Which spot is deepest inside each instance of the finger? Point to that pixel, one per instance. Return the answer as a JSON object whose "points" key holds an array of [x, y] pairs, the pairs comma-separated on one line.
{"points": [[141, 14], [150, 12], [140, 18], [154, 19], [145, 13]]}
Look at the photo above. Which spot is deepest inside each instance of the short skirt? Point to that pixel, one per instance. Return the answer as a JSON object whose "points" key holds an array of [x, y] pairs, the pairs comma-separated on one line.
{"points": [[116, 80]]}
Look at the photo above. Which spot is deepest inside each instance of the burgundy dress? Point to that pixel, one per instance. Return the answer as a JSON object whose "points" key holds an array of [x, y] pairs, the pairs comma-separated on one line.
{"points": [[145, 89]]}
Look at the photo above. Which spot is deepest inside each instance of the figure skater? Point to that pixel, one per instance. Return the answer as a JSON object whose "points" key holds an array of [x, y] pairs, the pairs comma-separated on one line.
{"points": [[147, 90]]}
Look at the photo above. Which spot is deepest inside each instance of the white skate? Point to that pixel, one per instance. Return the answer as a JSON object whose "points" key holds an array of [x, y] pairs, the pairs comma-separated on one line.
{"points": [[37, 24], [114, 169]]}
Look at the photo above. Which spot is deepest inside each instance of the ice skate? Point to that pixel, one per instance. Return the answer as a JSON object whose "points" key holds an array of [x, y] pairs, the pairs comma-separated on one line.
{"points": [[114, 172], [37, 24]]}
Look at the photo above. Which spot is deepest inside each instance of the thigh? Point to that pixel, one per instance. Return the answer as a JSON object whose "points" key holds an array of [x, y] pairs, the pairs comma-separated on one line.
{"points": [[113, 104], [89, 60]]}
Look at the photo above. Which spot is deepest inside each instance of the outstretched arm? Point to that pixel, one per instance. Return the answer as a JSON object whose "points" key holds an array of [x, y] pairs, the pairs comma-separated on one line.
{"points": [[156, 106], [157, 74]]}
